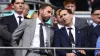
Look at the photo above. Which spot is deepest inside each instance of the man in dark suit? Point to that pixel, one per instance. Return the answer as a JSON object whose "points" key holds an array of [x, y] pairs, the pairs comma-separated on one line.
{"points": [[14, 20], [93, 31], [5, 38], [64, 38], [78, 22]]}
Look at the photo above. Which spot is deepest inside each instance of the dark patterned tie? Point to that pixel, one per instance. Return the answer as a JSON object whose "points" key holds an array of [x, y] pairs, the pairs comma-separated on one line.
{"points": [[71, 36], [20, 19], [41, 38]]}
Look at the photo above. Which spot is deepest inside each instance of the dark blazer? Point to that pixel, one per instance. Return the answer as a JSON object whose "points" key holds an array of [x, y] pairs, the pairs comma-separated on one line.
{"points": [[5, 39], [92, 34], [11, 23], [80, 23], [61, 40]]}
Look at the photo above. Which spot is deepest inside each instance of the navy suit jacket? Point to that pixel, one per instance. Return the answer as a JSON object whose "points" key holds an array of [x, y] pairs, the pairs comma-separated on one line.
{"points": [[11, 23], [61, 39], [92, 34]]}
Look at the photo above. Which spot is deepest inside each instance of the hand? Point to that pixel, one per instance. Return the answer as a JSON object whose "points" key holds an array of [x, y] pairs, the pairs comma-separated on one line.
{"points": [[70, 54], [82, 52]]}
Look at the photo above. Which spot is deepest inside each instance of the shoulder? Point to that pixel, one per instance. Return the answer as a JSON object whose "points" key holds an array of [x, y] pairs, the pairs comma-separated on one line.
{"points": [[81, 19]]}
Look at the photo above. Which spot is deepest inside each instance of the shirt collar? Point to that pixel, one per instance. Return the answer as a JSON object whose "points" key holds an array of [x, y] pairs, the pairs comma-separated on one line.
{"points": [[73, 27], [94, 24], [38, 20], [16, 15]]}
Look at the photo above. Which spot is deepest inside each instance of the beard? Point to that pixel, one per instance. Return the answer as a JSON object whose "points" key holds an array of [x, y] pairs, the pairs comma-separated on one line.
{"points": [[45, 19]]}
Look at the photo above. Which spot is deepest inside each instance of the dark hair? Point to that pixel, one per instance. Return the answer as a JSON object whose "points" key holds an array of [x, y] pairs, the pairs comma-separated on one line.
{"points": [[68, 10], [94, 9], [56, 11], [13, 1], [42, 6], [68, 2]]}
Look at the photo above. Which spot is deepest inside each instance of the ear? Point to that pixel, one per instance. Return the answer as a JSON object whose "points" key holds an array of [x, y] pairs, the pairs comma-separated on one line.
{"points": [[12, 5], [41, 10]]}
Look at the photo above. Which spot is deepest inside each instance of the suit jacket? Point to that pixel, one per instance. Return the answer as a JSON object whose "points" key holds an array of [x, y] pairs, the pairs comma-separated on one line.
{"points": [[61, 39], [11, 22], [92, 34], [5, 39], [80, 23], [28, 27]]}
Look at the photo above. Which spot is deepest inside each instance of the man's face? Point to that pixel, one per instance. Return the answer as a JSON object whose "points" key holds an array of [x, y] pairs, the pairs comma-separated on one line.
{"points": [[58, 16], [46, 13], [96, 16], [67, 18], [18, 6], [72, 7], [26, 10]]}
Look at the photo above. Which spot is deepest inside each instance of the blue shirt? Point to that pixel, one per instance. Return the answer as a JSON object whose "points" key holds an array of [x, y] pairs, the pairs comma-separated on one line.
{"points": [[97, 46]]}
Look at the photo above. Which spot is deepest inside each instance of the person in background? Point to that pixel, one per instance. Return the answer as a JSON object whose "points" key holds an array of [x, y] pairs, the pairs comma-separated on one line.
{"points": [[57, 21], [78, 22], [26, 10], [36, 33], [93, 31], [14, 20], [5, 39], [34, 15]]}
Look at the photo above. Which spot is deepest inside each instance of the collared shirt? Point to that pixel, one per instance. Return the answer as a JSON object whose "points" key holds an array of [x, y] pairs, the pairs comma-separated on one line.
{"points": [[72, 31], [17, 19], [60, 26], [97, 46], [94, 24], [74, 19], [36, 38]]}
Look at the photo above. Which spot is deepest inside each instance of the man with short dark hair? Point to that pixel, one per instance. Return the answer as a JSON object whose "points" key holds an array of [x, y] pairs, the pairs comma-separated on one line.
{"points": [[69, 36], [36, 33], [78, 22], [14, 20]]}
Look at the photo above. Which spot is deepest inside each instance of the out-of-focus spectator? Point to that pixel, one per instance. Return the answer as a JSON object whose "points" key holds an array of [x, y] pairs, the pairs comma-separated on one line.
{"points": [[78, 22], [34, 15], [95, 3], [26, 10], [57, 21], [93, 31], [82, 5], [14, 20], [5, 39]]}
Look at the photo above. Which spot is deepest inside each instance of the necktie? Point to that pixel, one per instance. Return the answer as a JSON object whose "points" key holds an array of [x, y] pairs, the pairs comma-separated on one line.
{"points": [[71, 36], [72, 40], [20, 19], [41, 38]]}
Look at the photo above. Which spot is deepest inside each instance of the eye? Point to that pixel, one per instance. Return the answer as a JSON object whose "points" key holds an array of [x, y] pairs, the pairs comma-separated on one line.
{"points": [[60, 16], [64, 14]]}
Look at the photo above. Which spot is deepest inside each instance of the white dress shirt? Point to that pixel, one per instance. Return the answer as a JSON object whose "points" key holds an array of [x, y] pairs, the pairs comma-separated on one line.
{"points": [[17, 19], [36, 38], [60, 26], [72, 31]]}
